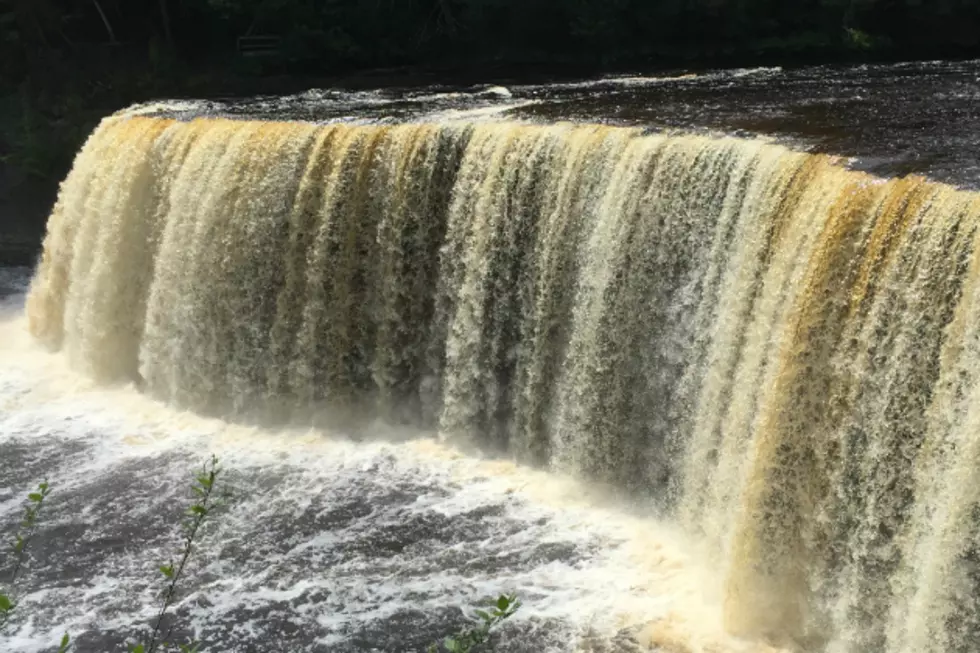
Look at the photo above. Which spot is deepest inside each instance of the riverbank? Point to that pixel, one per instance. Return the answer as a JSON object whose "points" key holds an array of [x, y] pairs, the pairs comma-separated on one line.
{"points": [[24, 206]]}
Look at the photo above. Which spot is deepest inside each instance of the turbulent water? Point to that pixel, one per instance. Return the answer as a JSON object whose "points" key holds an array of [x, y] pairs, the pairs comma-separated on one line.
{"points": [[773, 356], [329, 541]]}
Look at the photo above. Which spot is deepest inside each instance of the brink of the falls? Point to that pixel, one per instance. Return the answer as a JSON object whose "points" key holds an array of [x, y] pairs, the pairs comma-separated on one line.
{"points": [[779, 353]]}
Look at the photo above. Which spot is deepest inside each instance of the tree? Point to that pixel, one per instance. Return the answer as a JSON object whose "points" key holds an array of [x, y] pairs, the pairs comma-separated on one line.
{"points": [[105, 21]]}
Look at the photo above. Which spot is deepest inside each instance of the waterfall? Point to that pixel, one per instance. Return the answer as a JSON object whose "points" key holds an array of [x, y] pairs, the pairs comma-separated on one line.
{"points": [[778, 353]]}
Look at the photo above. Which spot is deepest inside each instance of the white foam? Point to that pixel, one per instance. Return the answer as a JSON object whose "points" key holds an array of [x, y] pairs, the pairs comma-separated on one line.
{"points": [[627, 570]]}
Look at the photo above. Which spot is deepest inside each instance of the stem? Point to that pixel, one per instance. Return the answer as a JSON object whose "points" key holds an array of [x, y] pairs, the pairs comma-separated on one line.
{"points": [[28, 526], [105, 21], [165, 14], [199, 512], [447, 16]]}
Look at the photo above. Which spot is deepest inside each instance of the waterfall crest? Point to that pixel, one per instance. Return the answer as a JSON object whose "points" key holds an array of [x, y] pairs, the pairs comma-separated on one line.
{"points": [[781, 354]]}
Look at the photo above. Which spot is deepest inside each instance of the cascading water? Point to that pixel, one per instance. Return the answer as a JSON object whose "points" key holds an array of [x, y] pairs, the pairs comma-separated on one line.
{"points": [[778, 353]]}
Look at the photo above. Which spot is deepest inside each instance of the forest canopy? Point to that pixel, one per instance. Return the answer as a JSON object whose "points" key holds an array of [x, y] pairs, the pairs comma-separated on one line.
{"points": [[328, 35], [66, 63]]}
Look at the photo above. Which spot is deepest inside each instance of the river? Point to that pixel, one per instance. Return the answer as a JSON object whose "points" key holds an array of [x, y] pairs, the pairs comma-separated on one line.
{"points": [[683, 360]]}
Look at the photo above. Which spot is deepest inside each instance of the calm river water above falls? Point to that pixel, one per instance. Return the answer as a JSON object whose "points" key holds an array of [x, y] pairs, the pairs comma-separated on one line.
{"points": [[910, 118]]}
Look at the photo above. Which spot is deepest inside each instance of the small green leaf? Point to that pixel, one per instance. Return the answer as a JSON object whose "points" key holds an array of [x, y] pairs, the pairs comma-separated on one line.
{"points": [[65, 643], [503, 603], [37, 497], [198, 509], [136, 648], [6, 604], [482, 614], [167, 570], [43, 487]]}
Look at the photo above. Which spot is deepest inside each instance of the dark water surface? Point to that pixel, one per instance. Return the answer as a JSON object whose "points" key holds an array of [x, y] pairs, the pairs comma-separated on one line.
{"points": [[894, 119]]}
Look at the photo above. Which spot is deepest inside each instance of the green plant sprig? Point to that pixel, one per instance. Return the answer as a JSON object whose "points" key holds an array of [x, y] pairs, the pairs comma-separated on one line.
{"points": [[28, 525], [195, 516], [469, 638]]}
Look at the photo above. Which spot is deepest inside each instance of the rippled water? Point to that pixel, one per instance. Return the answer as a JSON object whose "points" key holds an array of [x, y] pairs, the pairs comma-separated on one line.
{"points": [[895, 119]]}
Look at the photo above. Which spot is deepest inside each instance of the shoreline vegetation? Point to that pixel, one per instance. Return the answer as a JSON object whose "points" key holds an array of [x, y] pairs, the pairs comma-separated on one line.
{"points": [[65, 64]]}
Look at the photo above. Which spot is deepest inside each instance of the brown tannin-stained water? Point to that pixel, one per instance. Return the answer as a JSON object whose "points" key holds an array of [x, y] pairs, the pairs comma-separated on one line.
{"points": [[722, 359]]}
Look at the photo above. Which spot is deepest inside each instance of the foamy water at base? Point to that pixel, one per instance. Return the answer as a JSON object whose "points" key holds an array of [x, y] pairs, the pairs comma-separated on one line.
{"points": [[328, 541]]}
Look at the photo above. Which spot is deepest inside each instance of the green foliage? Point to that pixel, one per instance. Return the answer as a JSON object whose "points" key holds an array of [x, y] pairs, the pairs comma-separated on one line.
{"points": [[28, 525], [204, 503], [858, 39], [39, 136], [484, 621], [25, 531], [324, 34]]}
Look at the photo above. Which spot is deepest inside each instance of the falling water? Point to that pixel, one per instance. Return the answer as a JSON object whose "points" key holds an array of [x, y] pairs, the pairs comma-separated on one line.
{"points": [[778, 353]]}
